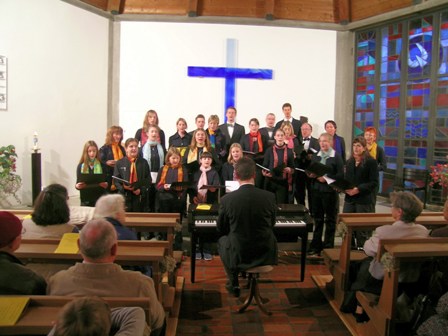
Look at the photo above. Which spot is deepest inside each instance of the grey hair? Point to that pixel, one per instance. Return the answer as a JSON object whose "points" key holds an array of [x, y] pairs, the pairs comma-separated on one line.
{"points": [[109, 206], [97, 238]]}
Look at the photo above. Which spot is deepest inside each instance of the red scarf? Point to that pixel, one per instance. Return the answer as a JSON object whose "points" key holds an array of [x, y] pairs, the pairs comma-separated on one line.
{"points": [[286, 175], [257, 135]]}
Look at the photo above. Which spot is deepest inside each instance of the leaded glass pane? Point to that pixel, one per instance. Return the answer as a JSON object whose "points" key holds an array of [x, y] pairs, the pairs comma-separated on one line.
{"points": [[391, 47], [443, 63], [420, 47]]}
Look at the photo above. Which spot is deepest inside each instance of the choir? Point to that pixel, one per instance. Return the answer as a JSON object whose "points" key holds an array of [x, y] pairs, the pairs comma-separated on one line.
{"points": [[146, 173]]}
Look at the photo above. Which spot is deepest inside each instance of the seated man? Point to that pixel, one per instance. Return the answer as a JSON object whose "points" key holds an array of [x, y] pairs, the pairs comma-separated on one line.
{"points": [[246, 218], [91, 316], [98, 275], [15, 278]]}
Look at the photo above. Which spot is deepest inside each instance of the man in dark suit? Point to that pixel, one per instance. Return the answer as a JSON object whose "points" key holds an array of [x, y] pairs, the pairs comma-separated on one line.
{"points": [[296, 124], [268, 131], [246, 218], [303, 183], [232, 131]]}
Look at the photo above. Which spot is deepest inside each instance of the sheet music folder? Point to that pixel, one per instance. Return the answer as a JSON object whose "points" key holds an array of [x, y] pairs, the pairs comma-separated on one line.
{"points": [[208, 187], [318, 169], [262, 167], [180, 185], [91, 178], [340, 184]]}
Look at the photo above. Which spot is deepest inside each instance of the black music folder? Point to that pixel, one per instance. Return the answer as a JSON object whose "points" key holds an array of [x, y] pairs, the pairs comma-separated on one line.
{"points": [[184, 185], [340, 185], [263, 167], [258, 157], [208, 187], [318, 169], [91, 178]]}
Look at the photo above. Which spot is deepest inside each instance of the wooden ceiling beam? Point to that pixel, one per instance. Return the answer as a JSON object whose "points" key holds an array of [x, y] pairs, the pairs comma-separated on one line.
{"points": [[269, 7], [116, 6], [342, 11], [192, 9]]}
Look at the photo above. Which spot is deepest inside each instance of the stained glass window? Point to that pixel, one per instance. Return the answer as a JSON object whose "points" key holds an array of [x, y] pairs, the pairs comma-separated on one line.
{"points": [[420, 47], [391, 46], [365, 88], [443, 68]]}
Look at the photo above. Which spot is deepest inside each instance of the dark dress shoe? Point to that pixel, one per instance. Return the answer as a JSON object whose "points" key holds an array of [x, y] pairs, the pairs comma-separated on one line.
{"points": [[235, 291]]}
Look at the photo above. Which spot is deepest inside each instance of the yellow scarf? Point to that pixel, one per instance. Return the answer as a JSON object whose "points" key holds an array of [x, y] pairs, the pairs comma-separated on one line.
{"points": [[372, 150], [193, 154], [118, 154]]}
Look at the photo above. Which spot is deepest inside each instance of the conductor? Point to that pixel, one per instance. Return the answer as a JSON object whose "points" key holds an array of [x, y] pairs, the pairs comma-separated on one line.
{"points": [[245, 221]]}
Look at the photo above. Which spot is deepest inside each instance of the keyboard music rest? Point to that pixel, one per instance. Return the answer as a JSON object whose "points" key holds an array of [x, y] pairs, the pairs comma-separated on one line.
{"points": [[292, 221]]}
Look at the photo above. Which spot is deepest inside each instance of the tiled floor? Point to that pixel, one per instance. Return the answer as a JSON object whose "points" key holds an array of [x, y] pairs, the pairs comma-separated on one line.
{"points": [[298, 308]]}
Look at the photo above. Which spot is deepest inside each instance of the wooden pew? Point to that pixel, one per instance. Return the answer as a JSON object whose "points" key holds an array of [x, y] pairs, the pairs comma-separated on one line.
{"points": [[339, 259], [139, 221], [382, 310], [130, 253], [38, 316]]}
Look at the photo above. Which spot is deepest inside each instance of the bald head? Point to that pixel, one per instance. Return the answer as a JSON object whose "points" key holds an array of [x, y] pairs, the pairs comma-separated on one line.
{"points": [[98, 241]]}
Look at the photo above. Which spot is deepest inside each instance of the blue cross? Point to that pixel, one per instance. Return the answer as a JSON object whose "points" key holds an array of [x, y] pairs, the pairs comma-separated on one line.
{"points": [[230, 73]]}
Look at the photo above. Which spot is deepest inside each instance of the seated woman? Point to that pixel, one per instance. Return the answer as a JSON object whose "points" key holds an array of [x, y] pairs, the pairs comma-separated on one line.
{"points": [[406, 207], [112, 209], [51, 215]]}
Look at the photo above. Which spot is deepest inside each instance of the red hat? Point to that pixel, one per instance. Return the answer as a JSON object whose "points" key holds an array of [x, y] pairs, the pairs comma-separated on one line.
{"points": [[10, 228]]}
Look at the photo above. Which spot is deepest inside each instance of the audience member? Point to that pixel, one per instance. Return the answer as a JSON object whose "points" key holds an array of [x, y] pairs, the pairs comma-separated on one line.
{"points": [[51, 215], [112, 209], [91, 316], [98, 275], [15, 278], [369, 273]]}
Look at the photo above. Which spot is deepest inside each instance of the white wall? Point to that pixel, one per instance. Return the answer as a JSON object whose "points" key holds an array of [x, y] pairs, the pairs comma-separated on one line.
{"points": [[155, 56], [57, 67]]}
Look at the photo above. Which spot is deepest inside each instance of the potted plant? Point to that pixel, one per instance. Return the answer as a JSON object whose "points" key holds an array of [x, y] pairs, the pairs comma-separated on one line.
{"points": [[10, 182]]}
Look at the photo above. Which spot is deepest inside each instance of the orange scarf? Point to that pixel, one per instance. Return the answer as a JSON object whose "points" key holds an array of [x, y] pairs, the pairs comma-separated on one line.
{"points": [[133, 175], [116, 150], [180, 174]]}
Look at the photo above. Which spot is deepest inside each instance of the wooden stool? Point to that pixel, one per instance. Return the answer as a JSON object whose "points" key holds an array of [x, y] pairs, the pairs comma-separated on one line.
{"points": [[254, 292]]}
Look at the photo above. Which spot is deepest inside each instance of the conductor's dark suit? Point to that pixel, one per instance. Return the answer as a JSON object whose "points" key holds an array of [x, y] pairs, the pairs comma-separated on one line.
{"points": [[246, 217]]}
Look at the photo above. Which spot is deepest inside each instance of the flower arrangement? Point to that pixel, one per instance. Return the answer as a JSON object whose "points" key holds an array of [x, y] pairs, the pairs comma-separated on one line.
{"points": [[439, 175], [10, 182]]}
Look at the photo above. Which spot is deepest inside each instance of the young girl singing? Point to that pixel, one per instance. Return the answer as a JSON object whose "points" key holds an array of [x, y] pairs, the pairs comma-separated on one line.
{"points": [[91, 175], [135, 171]]}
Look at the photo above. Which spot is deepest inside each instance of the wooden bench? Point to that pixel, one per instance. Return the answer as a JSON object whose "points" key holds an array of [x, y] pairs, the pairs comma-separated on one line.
{"points": [[382, 309], [130, 253], [42, 311], [139, 221], [339, 262]]}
